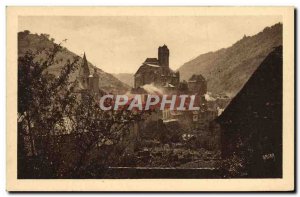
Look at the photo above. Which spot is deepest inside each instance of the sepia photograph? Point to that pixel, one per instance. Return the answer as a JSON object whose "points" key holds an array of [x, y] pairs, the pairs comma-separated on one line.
{"points": [[147, 94]]}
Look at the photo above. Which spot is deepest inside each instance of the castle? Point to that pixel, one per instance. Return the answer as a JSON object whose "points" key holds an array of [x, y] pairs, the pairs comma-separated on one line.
{"points": [[156, 71]]}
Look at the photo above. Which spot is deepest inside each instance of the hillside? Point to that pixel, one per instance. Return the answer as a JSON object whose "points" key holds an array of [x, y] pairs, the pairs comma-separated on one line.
{"points": [[227, 70], [28, 41], [126, 78]]}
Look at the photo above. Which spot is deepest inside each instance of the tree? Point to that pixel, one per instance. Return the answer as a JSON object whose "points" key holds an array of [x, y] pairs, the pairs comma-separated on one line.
{"points": [[60, 133], [42, 100], [99, 136]]}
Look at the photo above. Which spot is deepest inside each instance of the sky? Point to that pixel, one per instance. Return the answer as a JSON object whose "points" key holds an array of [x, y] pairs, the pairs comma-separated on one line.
{"points": [[120, 44]]}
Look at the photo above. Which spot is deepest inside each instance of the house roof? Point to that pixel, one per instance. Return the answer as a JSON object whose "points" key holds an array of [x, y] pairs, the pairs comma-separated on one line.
{"points": [[168, 85], [196, 78]]}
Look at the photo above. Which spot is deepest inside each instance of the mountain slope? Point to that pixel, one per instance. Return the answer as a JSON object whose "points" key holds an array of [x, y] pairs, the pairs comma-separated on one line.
{"points": [[126, 78], [227, 70], [253, 120], [28, 41]]}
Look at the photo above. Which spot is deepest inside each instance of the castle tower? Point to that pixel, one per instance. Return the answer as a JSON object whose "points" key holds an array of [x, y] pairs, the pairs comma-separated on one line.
{"points": [[84, 72], [163, 56]]}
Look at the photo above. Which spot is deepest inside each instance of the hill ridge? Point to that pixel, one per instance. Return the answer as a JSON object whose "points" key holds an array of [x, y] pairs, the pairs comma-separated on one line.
{"points": [[228, 69], [28, 41]]}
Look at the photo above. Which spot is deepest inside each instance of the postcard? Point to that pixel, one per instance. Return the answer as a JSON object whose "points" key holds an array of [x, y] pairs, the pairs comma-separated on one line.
{"points": [[150, 99]]}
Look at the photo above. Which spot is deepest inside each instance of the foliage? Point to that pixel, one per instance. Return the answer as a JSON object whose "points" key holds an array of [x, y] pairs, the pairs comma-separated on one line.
{"points": [[62, 133], [238, 163]]}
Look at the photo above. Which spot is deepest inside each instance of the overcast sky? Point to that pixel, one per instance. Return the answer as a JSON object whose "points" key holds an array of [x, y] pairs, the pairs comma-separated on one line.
{"points": [[119, 44]]}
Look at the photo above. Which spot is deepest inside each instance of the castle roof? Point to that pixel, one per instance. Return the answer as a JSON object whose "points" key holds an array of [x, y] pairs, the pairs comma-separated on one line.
{"points": [[152, 65], [164, 46], [145, 66], [151, 60]]}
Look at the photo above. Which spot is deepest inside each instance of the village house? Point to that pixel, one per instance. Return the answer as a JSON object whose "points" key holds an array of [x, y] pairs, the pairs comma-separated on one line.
{"points": [[197, 84]]}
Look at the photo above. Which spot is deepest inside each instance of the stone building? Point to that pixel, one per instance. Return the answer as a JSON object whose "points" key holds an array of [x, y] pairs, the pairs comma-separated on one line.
{"points": [[197, 84], [88, 82], [156, 71]]}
